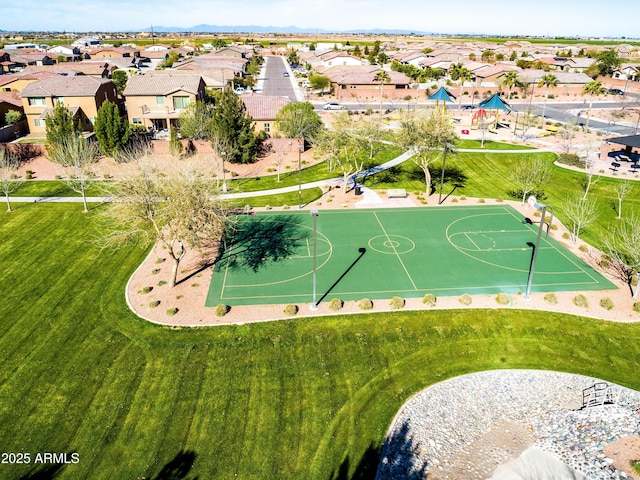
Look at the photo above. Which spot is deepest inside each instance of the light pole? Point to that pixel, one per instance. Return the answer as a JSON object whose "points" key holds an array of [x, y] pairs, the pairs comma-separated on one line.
{"points": [[314, 214], [538, 206], [300, 148], [444, 161], [224, 176]]}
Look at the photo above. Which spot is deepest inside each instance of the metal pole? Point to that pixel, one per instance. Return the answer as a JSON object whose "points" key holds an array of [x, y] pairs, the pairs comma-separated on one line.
{"points": [[314, 214], [535, 253], [299, 176]]}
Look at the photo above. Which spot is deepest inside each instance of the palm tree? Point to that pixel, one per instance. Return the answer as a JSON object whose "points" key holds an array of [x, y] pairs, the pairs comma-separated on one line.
{"points": [[381, 78], [511, 80], [464, 75], [548, 80], [592, 89]]}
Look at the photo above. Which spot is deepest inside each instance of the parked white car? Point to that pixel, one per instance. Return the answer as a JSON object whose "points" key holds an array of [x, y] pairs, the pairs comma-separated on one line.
{"points": [[334, 106]]}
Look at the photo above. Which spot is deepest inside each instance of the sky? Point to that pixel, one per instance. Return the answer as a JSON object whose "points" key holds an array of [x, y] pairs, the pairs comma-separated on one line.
{"points": [[582, 18]]}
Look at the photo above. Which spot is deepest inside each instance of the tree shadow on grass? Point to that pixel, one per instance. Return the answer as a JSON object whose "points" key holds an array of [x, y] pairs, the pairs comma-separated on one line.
{"points": [[395, 459], [257, 241], [48, 472], [179, 467]]}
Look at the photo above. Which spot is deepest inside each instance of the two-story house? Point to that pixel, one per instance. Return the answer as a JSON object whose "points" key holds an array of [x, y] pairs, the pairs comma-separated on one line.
{"points": [[82, 95], [156, 101]]}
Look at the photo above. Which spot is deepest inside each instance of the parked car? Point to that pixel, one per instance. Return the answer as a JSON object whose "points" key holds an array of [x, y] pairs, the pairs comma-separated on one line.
{"points": [[615, 91], [285, 74], [334, 106], [305, 84], [239, 90], [468, 107]]}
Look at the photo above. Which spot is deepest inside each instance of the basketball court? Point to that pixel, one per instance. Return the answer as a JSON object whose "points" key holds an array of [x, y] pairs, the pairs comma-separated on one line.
{"points": [[269, 257]]}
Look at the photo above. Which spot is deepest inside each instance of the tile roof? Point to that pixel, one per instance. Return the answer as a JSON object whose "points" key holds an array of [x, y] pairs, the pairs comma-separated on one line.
{"points": [[162, 84], [12, 77], [79, 86], [263, 107]]}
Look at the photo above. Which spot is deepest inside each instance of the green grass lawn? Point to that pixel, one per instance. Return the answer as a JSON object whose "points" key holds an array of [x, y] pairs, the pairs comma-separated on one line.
{"points": [[301, 398], [56, 188]]}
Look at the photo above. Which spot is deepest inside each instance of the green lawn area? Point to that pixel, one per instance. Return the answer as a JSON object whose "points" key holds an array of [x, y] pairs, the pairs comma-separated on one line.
{"points": [[292, 399], [55, 188]]}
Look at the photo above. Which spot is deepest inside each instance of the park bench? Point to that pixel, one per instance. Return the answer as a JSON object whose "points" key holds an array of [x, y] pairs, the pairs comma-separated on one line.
{"points": [[397, 193]]}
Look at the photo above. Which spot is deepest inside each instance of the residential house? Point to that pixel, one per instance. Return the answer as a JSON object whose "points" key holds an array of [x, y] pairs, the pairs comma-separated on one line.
{"points": [[86, 42], [33, 58], [627, 72], [568, 82], [235, 51], [15, 82], [263, 109], [156, 101], [81, 94], [8, 102], [99, 69], [112, 52], [68, 52], [358, 81]]}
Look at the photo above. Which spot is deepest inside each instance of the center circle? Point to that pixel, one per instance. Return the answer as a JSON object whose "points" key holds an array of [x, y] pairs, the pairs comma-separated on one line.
{"points": [[391, 244]]}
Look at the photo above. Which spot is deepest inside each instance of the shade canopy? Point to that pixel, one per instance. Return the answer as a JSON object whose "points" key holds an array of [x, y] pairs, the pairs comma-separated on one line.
{"points": [[494, 102], [628, 141], [442, 95]]}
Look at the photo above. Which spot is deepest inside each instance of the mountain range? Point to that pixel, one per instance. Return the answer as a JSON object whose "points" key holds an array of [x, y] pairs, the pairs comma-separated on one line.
{"points": [[204, 28]]}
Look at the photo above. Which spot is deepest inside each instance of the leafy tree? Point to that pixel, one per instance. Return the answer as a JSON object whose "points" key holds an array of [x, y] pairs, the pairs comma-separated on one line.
{"points": [[548, 81], [171, 58], [357, 52], [9, 164], [178, 211], [196, 121], [592, 89], [426, 137], [593, 71], [607, 61], [514, 56], [319, 82], [112, 131], [530, 175], [299, 120], [77, 156], [175, 145], [218, 43], [12, 116], [488, 56], [120, 78], [60, 125], [232, 127]]}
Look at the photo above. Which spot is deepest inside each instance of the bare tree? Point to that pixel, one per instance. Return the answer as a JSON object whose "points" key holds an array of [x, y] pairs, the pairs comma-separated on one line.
{"points": [[580, 213], [9, 163], [568, 134], [179, 210], [342, 145], [530, 174], [527, 121], [590, 178], [427, 136], [622, 189], [77, 156], [622, 244]]}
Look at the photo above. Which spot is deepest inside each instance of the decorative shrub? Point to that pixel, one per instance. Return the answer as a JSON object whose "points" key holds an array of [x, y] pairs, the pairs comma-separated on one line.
{"points": [[365, 304], [605, 261], [503, 299], [606, 303], [583, 248], [499, 199], [554, 226], [155, 271], [636, 466], [154, 303], [580, 301], [636, 307], [291, 309], [172, 311], [465, 299], [462, 197], [335, 304], [481, 200], [162, 282], [285, 207], [397, 303], [429, 299], [454, 200], [222, 310], [195, 285], [267, 207], [551, 298], [58, 177], [145, 289], [566, 235], [29, 174]]}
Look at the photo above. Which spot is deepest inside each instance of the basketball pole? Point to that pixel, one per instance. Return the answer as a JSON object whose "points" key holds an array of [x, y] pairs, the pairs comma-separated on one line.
{"points": [[314, 214], [543, 207]]}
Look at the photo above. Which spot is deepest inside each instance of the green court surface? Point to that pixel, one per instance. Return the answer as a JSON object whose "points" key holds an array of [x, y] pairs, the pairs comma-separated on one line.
{"points": [[387, 252]]}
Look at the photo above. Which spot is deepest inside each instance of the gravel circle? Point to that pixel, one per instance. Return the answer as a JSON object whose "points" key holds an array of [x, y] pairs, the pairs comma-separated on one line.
{"points": [[468, 426]]}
